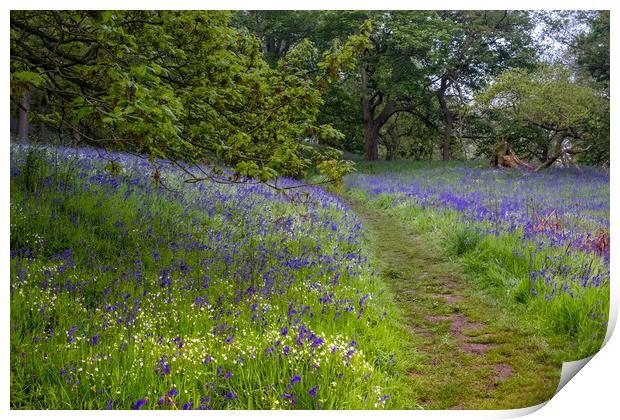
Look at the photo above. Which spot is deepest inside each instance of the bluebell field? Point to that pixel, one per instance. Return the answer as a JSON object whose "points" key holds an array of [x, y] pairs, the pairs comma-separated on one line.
{"points": [[539, 238], [126, 294]]}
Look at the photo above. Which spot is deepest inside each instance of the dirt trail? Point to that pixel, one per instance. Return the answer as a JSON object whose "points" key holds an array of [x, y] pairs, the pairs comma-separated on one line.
{"points": [[466, 352]]}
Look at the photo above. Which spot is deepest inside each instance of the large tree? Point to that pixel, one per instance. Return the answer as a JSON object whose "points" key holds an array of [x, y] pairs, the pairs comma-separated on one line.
{"points": [[392, 75], [180, 85], [592, 51], [592, 48], [548, 100], [481, 45], [577, 41], [429, 64]]}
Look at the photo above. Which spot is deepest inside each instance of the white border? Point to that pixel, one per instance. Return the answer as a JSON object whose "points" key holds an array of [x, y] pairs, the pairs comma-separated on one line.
{"points": [[591, 394], [315, 5]]}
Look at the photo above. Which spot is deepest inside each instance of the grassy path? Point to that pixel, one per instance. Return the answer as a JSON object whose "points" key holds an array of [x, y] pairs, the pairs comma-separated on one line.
{"points": [[465, 352]]}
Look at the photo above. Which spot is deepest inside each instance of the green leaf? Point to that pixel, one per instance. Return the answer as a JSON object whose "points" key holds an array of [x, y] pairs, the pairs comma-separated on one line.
{"points": [[29, 78]]}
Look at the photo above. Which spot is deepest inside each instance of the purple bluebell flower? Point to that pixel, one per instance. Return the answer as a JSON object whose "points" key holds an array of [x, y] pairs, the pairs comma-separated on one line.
{"points": [[163, 367], [290, 397], [313, 390], [70, 334], [140, 403], [384, 398]]}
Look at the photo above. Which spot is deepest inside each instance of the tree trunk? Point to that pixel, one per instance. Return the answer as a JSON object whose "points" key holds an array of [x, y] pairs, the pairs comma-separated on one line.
{"points": [[42, 111], [24, 113], [371, 141], [390, 153], [504, 156], [447, 138], [448, 120], [371, 130], [372, 124], [560, 136]]}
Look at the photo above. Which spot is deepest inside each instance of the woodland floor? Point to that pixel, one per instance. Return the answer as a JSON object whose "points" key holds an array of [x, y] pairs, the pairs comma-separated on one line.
{"points": [[465, 351]]}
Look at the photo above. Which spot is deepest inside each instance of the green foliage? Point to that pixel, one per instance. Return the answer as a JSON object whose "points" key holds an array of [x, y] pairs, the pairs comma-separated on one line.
{"points": [[27, 78], [278, 30], [592, 48], [546, 98], [483, 43], [545, 107], [341, 109], [405, 136], [179, 85], [592, 51], [335, 168]]}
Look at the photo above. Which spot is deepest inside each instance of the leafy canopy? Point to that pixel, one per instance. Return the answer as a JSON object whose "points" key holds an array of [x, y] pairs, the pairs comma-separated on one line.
{"points": [[547, 98], [179, 85], [544, 109]]}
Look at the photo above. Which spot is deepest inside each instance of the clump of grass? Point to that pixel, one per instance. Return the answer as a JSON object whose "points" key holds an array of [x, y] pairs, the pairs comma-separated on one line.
{"points": [[33, 169], [463, 239], [37, 167]]}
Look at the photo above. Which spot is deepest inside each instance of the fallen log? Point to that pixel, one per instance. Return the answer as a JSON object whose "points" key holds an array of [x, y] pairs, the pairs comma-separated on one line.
{"points": [[505, 157]]}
